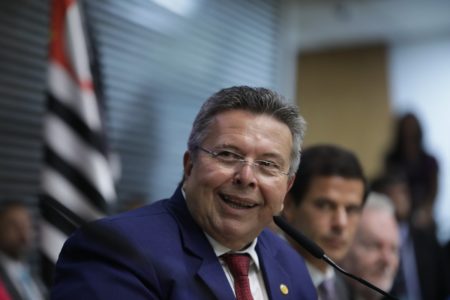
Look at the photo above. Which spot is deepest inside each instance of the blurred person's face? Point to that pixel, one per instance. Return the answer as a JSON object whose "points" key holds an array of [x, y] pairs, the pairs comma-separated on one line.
{"points": [[328, 214], [410, 129], [234, 204], [16, 231], [374, 253], [410, 135]]}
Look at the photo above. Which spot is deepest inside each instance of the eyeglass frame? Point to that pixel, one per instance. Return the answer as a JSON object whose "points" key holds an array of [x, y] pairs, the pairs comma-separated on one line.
{"points": [[240, 159]]}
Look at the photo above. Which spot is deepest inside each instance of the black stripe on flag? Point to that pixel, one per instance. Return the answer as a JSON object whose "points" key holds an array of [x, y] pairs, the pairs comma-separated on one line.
{"points": [[94, 139], [76, 178], [58, 215]]}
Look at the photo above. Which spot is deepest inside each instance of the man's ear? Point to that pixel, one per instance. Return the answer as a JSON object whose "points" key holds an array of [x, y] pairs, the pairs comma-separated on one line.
{"points": [[290, 182], [187, 163]]}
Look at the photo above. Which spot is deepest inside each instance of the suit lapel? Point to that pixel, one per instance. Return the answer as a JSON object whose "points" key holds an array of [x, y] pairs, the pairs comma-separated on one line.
{"points": [[276, 280], [205, 262], [212, 274]]}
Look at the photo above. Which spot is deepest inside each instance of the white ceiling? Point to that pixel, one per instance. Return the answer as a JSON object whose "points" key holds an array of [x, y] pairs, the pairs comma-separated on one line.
{"points": [[327, 23]]}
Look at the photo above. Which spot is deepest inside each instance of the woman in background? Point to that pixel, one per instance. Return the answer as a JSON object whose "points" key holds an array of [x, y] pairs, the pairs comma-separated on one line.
{"points": [[409, 156]]}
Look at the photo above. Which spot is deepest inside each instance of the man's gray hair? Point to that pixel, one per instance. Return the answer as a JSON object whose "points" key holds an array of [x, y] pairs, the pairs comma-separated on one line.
{"points": [[378, 201], [256, 101]]}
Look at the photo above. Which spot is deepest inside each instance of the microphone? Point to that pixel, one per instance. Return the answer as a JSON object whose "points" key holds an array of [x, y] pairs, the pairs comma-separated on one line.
{"points": [[318, 252]]}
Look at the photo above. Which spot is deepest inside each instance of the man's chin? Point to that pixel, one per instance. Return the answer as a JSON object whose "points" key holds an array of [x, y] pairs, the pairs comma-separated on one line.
{"points": [[335, 254], [382, 281]]}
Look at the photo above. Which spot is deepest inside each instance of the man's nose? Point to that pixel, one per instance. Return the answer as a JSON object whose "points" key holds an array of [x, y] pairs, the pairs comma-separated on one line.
{"points": [[340, 217], [245, 174]]}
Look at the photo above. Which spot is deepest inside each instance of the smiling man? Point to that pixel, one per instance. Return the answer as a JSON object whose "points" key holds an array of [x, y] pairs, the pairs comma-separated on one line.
{"points": [[208, 241], [325, 204]]}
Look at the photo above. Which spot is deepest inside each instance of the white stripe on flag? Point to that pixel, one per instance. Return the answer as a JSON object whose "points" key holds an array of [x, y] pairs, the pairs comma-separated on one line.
{"points": [[82, 101], [72, 149], [59, 188], [52, 240], [76, 44]]}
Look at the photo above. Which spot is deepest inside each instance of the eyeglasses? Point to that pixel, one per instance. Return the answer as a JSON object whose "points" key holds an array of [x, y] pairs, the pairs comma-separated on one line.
{"points": [[230, 159]]}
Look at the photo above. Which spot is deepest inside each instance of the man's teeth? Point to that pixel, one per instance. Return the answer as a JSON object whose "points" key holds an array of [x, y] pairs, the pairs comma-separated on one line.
{"points": [[236, 204]]}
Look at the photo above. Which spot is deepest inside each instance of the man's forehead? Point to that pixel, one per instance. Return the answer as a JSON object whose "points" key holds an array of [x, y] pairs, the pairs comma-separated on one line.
{"points": [[336, 179], [337, 185]]}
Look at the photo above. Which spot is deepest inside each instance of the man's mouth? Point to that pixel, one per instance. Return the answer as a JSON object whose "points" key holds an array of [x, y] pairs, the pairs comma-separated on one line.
{"points": [[235, 202]]}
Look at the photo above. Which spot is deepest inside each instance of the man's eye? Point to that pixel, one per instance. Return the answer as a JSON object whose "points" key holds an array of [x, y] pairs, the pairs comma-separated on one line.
{"points": [[228, 155], [324, 205], [370, 245], [268, 164]]}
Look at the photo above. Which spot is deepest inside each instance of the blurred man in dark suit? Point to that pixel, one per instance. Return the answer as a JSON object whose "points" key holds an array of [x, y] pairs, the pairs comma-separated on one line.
{"points": [[16, 236], [325, 204]]}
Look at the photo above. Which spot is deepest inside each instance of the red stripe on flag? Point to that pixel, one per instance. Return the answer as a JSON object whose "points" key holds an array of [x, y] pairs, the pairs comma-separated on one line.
{"points": [[58, 51]]}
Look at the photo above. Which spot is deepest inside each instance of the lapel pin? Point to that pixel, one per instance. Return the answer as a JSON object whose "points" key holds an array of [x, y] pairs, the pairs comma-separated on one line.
{"points": [[284, 289]]}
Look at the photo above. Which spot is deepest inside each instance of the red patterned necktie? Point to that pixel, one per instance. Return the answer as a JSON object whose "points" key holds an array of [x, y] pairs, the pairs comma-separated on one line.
{"points": [[239, 265]]}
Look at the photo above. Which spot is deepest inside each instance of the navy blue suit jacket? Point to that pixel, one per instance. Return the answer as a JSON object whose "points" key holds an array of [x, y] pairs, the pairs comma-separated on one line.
{"points": [[159, 252]]}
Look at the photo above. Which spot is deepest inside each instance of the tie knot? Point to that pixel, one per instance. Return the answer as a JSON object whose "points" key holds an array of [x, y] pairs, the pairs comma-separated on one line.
{"points": [[237, 263]]}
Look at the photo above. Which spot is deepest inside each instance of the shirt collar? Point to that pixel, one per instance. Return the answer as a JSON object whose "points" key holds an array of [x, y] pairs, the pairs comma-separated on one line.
{"points": [[318, 276], [220, 249]]}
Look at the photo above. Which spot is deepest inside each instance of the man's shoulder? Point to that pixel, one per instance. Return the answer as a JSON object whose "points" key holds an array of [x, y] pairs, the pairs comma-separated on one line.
{"points": [[148, 212], [126, 237], [147, 216], [128, 227], [152, 218], [155, 214]]}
